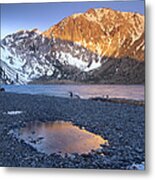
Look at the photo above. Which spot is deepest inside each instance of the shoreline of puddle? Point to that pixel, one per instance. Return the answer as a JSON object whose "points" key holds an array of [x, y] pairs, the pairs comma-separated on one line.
{"points": [[59, 137]]}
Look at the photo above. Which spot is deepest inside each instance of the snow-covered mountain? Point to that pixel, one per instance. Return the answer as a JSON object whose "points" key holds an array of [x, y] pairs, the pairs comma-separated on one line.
{"points": [[23, 56], [83, 48], [28, 55]]}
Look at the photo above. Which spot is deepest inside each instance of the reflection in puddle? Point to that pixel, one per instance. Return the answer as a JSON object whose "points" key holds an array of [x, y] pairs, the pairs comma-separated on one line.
{"points": [[59, 137]]}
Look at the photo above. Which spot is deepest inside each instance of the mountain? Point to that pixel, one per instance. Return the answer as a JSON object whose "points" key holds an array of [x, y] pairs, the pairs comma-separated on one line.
{"points": [[23, 56], [99, 46], [104, 31], [28, 55]]}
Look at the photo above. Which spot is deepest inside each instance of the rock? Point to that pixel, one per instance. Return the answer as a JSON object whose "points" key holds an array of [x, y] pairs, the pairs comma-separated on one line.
{"points": [[86, 155], [114, 158], [135, 166], [71, 156], [99, 150], [39, 139], [33, 164], [2, 90], [139, 150], [118, 127]]}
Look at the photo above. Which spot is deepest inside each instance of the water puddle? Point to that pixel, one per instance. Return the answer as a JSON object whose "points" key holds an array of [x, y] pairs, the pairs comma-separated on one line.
{"points": [[59, 137]]}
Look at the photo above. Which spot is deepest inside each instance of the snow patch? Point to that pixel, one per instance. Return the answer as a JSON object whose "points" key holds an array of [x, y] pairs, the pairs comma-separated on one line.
{"points": [[94, 65], [13, 112], [67, 58]]}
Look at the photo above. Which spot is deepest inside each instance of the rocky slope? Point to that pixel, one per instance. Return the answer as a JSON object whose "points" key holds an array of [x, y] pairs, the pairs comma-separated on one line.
{"points": [[104, 31], [99, 46]]}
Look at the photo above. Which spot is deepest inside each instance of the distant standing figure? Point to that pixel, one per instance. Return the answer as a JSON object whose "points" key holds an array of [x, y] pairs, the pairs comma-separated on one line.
{"points": [[73, 95], [70, 94], [107, 96]]}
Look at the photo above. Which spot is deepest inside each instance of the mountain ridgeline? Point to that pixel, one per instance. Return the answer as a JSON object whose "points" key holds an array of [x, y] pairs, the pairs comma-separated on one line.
{"points": [[99, 46]]}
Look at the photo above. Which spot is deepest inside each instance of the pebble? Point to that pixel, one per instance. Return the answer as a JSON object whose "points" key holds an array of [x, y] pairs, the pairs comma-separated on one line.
{"points": [[139, 150]]}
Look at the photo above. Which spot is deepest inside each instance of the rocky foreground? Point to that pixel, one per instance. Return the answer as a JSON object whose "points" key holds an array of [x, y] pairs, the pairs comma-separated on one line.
{"points": [[121, 124]]}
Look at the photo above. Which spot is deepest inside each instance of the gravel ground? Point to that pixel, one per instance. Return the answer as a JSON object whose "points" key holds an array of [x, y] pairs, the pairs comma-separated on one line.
{"points": [[121, 124]]}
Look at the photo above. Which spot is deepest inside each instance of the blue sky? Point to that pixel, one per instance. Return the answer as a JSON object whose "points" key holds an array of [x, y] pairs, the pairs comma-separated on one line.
{"points": [[15, 17]]}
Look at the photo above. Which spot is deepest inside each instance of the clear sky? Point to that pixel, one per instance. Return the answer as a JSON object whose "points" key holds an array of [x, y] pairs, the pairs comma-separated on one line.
{"points": [[26, 16]]}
